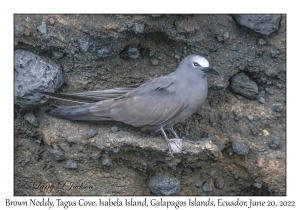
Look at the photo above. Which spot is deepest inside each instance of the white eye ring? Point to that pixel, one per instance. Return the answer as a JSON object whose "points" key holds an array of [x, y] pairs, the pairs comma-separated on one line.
{"points": [[196, 64]]}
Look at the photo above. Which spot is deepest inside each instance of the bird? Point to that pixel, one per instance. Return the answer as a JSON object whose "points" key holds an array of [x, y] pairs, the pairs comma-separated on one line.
{"points": [[157, 104]]}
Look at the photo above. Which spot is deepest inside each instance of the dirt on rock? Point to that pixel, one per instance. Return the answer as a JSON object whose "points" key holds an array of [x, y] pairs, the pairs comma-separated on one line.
{"points": [[122, 160]]}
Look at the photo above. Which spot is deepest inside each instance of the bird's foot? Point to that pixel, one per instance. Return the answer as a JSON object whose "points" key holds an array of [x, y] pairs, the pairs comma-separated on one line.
{"points": [[175, 146], [192, 142]]}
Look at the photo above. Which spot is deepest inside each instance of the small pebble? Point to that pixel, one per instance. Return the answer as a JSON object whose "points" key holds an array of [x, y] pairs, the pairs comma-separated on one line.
{"points": [[177, 56], [71, 164], [154, 62], [30, 118], [90, 133], [18, 30], [65, 146], [114, 129], [104, 52], [274, 143], [275, 53], [198, 184], [57, 54], [139, 28], [106, 162], [240, 148], [219, 182], [206, 187], [250, 117], [42, 28], [261, 41], [261, 99], [51, 21], [257, 185], [95, 155], [83, 46], [100, 141], [278, 107], [57, 154], [151, 53]]}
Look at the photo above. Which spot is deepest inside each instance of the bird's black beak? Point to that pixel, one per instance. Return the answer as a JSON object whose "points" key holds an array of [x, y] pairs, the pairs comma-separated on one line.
{"points": [[208, 70]]}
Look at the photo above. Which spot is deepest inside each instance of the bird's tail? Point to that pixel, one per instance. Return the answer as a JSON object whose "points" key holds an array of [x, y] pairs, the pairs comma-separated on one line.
{"points": [[83, 112]]}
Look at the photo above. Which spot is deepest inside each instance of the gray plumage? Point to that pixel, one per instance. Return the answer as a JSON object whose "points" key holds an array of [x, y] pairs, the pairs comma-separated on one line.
{"points": [[157, 104]]}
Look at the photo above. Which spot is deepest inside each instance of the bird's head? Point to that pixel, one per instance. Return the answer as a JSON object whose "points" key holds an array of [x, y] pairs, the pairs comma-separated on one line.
{"points": [[198, 63]]}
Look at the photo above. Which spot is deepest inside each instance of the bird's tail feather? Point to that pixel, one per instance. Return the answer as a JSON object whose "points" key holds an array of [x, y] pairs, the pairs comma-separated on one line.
{"points": [[79, 113]]}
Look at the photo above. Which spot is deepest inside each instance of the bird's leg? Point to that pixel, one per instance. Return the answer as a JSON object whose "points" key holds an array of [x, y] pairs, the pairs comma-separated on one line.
{"points": [[174, 133], [176, 136], [174, 145]]}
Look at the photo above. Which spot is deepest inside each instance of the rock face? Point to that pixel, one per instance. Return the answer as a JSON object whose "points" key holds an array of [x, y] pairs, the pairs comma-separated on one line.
{"points": [[241, 84], [33, 74], [97, 52], [164, 185], [264, 24]]}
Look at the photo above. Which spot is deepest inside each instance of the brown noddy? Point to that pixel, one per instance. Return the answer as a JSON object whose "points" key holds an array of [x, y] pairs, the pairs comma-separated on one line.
{"points": [[157, 104]]}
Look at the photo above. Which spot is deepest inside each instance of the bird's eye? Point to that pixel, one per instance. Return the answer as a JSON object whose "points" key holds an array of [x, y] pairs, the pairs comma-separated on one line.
{"points": [[196, 64]]}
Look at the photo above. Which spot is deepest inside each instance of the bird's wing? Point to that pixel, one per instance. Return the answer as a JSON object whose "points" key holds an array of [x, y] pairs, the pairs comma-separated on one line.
{"points": [[92, 96], [149, 104]]}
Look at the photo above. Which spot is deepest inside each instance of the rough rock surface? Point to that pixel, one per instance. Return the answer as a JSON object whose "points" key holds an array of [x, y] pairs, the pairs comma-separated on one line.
{"points": [[264, 24], [164, 185], [241, 84], [33, 74], [123, 162]]}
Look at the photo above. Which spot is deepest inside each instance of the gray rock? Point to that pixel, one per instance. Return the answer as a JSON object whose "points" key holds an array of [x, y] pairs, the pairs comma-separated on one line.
{"points": [[154, 62], [32, 74], [114, 129], [257, 185], [57, 54], [198, 184], [206, 187], [278, 107], [219, 86], [264, 24], [30, 118], [46, 37], [240, 148], [223, 37], [261, 99], [250, 117], [151, 53], [18, 30], [177, 56], [100, 141], [42, 28], [261, 41], [139, 28], [106, 161], [65, 146], [274, 143], [83, 46], [95, 155], [90, 133], [275, 53], [57, 154], [241, 84], [164, 185], [130, 52], [71, 164], [104, 51], [219, 182]]}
